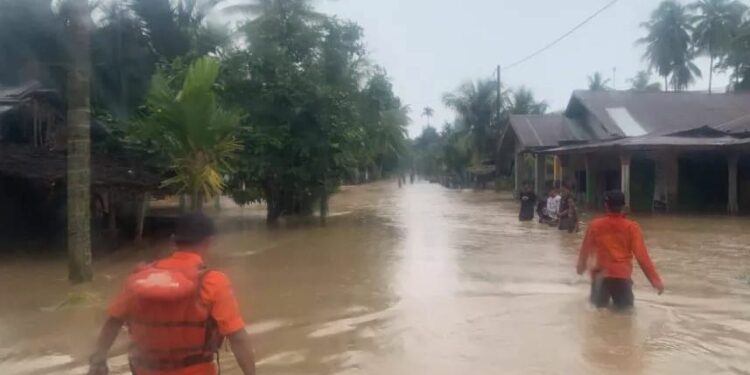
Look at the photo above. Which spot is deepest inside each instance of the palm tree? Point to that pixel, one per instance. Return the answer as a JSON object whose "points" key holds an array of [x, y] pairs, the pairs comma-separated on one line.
{"points": [[642, 82], [475, 105], [179, 27], [191, 130], [668, 44], [716, 24], [738, 58], [391, 135], [597, 82], [524, 103], [79, 142], [428, 112]]}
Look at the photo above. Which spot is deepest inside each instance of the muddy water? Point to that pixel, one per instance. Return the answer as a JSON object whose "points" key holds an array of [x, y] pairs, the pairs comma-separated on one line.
{"points": [[423, 280]]}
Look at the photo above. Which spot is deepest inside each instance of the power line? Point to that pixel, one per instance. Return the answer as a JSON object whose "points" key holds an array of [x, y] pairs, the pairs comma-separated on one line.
{"points": [[558, 40]]}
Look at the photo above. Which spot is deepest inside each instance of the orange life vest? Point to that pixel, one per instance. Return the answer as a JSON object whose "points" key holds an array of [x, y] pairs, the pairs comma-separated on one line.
{"points": [[170, 326]]}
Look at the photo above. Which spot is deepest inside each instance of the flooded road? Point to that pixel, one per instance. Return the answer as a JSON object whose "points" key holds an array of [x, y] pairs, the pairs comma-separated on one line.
{"points": [[424, 280]]}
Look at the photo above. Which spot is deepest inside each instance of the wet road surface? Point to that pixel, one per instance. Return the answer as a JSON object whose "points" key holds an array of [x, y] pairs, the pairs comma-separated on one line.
{"points": [[424, 280]]}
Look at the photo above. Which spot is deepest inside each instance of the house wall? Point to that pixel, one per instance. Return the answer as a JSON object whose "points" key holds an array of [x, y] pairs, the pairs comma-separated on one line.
{"points": [[703, 182]]}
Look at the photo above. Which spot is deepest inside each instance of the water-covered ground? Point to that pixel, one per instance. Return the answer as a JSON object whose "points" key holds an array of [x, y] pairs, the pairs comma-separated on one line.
{"points": [[423, 280]]}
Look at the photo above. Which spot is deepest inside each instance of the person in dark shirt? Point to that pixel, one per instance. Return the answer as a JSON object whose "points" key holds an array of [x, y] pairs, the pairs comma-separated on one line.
{"points": [[568, 213], [528, 203]]}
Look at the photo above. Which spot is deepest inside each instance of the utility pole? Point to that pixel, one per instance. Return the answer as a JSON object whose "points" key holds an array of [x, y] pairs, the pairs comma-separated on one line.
{"points": [[614, 78], [499, 95]]}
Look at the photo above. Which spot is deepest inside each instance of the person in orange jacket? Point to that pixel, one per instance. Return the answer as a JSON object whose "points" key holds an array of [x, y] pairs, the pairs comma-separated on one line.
{"points": [[177, 312], [608, 249]]}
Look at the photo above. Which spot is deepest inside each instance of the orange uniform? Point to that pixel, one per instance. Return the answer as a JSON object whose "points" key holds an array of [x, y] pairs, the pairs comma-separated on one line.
{"points": [[216, 293], [614, 241]]}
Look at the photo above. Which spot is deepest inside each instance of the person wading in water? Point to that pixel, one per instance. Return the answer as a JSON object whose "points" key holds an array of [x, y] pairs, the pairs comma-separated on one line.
{"points": [[612, 241], [568, 212], [528, 201], [177, 312]]}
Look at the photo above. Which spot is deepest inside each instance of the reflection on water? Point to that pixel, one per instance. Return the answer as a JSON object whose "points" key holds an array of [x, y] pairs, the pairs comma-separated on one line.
{"points": [[424, 280]]}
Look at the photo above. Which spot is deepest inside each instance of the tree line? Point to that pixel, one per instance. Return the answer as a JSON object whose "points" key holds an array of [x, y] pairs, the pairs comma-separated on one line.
{"points": [[676, 35], [460, 153], [260, 100], [281, 108]]}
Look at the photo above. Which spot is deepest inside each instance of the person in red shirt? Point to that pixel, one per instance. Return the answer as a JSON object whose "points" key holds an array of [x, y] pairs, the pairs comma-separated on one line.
{"points": [[608, 249], [177, 312]]}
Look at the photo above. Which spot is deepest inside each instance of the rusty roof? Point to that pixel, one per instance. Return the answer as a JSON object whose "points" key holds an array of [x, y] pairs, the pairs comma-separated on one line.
{"points": [[40, 164], [621, 112]]}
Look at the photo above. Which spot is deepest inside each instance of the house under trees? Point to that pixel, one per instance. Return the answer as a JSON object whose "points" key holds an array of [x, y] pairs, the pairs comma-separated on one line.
{"points": [[667, 151]]}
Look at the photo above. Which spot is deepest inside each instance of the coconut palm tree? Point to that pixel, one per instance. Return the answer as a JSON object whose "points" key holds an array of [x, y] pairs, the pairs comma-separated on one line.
{"points": [[642, 82], [738, 59], [428, 112], [716, 23], [597, 82], [669, 49], [475, 105], [522, 102], [79, 142], [179, 28], [191, 130]]}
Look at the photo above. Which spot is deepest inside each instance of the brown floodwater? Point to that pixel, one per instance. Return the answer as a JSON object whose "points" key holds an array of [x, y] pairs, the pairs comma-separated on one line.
{"points": [[422, 280]]}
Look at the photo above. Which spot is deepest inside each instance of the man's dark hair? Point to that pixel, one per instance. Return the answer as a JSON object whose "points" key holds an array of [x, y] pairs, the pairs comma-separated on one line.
{"points": [[193, 229], [615, 200]]}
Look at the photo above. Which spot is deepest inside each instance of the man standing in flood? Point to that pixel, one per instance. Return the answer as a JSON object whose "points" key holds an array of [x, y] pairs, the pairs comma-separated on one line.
{"points": [[528, 202], [177, 312], [607, 251]]}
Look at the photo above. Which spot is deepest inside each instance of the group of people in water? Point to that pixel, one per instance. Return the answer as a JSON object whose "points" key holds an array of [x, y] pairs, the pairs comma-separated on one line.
{"points": [[557, 209], [178, 311], [608, 249]]}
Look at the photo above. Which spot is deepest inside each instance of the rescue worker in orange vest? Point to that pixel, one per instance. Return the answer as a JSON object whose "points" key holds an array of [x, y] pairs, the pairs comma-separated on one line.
{"points": [[607, 251], [177, 312]]}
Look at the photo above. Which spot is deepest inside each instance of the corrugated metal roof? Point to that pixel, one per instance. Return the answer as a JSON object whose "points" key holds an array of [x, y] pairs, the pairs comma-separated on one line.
{"points": [[15, 93], [662, 112], [5, 108], [538, 131], [654, 141]]}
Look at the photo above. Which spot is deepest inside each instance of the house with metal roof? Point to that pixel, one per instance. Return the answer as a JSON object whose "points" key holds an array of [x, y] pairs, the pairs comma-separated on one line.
{"points": [[665, 151]]}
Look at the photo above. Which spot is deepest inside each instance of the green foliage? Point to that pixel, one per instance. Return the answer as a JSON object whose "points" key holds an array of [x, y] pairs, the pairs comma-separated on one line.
{"points": [[642, 82], [716, 24], [522, 102], [597, 82], [428, 112], [669, 48], [309, 125], [472, 140], [187, 126], [738, 58], [32, 43], [179, 28], [475, 105], [123, 63]]}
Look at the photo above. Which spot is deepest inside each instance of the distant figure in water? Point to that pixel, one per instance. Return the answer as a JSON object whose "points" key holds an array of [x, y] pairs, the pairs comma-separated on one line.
{"points": [[567, 212], [553, 207], [528, 201], [607, 252], [178, 312]]}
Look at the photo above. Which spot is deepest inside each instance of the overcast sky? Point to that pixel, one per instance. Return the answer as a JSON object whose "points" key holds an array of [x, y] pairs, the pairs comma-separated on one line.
{"points": [[430, 47]]}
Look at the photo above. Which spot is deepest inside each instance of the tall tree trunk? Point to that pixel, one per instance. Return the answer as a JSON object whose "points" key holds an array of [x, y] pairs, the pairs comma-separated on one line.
{"points": [[196, 201], [141, 219], [324, 204], [79, 144], [710, 72], [273, 205]]}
